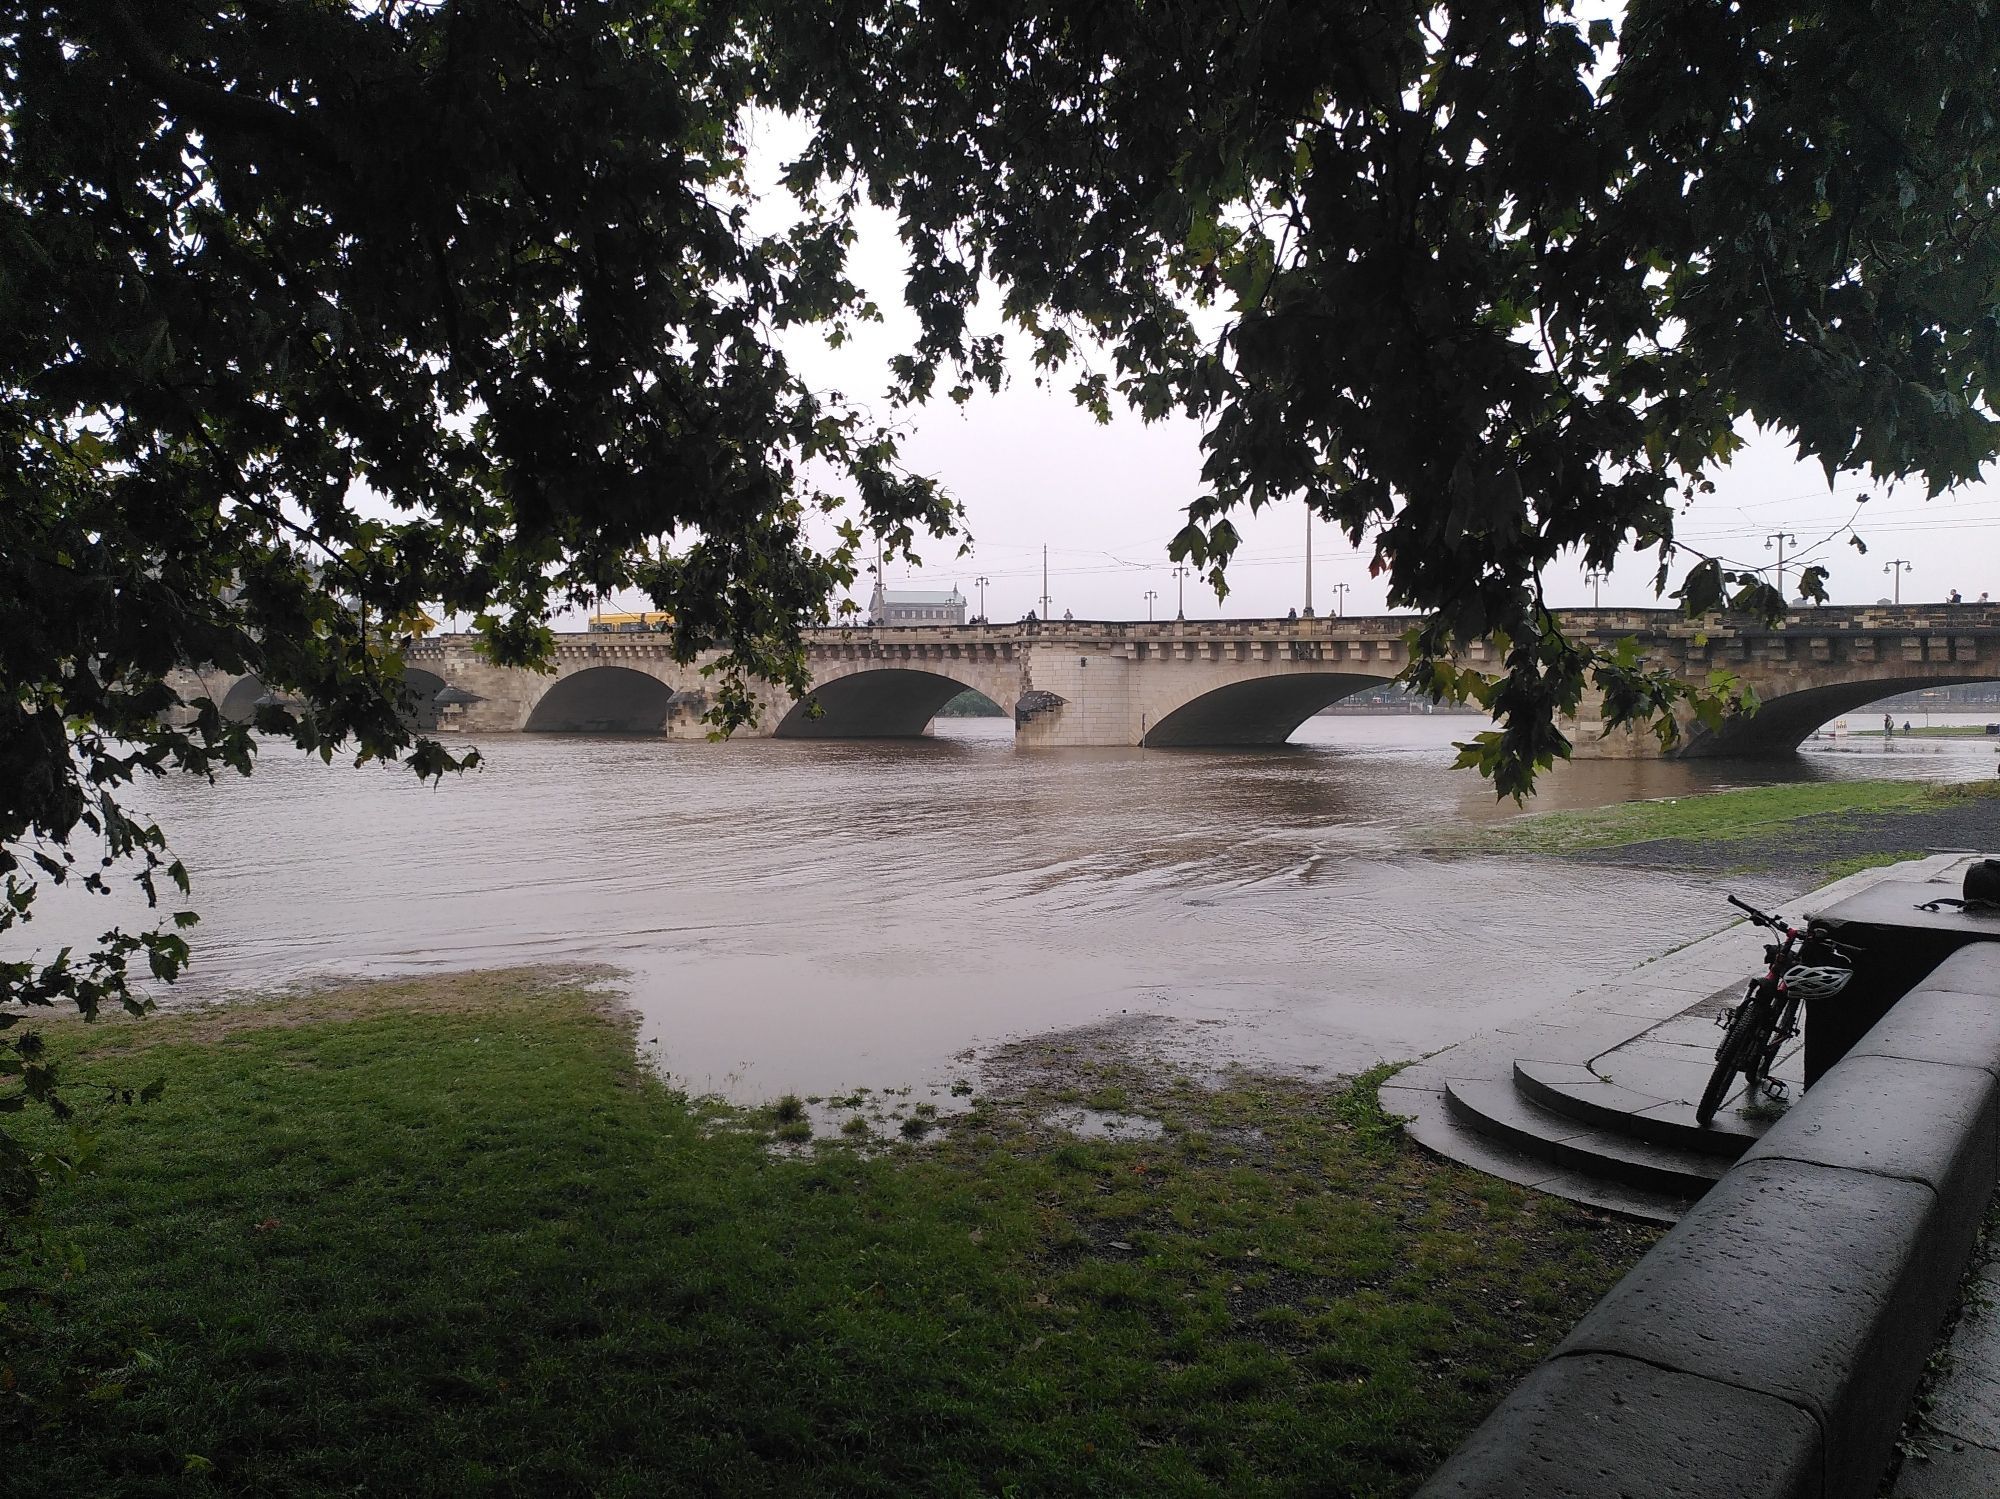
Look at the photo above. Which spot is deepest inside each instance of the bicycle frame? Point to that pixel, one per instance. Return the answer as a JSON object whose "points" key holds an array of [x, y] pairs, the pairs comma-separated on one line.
{"points": [[1758, 1026], [1782, 1024]]}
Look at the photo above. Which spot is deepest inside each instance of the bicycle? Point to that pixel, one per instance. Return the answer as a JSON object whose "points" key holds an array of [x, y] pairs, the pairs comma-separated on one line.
{"points": [[1797, 968]]}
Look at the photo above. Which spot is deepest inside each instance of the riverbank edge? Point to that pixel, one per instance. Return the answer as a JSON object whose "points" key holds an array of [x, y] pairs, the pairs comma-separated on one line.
{"points": [[387, 1234], [1811, 831]]}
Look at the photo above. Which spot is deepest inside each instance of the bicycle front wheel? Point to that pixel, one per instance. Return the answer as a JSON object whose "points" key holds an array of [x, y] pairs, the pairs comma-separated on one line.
{"points": [[1782, 1030], [1741, 1045]]}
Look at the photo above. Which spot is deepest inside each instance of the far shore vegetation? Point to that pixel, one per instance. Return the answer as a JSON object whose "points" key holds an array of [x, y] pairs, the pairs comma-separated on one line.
{"points": [[449, 1236], [1927, 731]]}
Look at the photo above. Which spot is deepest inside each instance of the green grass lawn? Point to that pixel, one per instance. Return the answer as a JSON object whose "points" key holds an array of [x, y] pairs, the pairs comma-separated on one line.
{"points": [[1930, 731], [446, 1238], [1719, 815]]}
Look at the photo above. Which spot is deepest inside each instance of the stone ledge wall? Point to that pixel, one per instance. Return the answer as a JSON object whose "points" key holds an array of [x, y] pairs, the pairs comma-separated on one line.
{"points": [[1770, 1343]]}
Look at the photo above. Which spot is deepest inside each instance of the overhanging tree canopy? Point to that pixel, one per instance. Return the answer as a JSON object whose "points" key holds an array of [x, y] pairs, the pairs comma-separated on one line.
{"points": [[487, 262], [1484, 283]]}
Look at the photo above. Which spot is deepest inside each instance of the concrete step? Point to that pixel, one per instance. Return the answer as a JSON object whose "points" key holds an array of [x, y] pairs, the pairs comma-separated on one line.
{"points": [[1494, 1108], [1576, 1092], [1429, 1122]]}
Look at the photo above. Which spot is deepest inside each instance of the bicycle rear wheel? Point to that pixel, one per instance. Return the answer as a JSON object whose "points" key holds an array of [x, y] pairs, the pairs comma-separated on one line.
{"points": [[1741, 1045]]}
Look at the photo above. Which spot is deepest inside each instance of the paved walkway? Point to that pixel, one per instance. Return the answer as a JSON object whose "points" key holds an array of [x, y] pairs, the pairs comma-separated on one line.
{"points": [[1593, 1098], [1955, 1451]]}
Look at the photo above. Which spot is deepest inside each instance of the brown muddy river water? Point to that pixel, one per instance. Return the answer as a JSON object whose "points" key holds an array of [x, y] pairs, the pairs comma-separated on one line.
{"points": [[813, 916]]}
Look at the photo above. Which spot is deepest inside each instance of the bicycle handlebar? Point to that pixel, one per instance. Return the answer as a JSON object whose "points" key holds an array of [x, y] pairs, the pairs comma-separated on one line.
{"points": [[1758, 916], [1814, 931]]}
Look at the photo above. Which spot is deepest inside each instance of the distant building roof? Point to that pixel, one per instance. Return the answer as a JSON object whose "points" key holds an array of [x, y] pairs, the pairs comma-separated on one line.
{"points": [[921, 596]]}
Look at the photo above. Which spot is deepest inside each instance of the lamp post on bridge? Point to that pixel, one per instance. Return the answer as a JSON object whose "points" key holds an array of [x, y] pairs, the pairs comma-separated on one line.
{"points": [[1783, 540], [980, 584], [1151, 594], [1180, 591], [1596, 581], [1339, 599], [1895, 567], [1308, 614]]}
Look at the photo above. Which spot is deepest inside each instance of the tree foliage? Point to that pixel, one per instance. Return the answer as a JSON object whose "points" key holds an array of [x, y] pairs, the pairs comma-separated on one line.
{"points": [[320, 314], [1487, 284]]}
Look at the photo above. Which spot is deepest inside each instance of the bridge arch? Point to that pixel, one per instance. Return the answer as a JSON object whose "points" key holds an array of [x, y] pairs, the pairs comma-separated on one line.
{"points": [[1261, 710], [1781, 724], [874, 703], [602, 700], [239, 703], [420, 712]]}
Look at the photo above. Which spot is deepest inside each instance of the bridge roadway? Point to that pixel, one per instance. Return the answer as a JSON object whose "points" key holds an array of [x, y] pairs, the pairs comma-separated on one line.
{"points": [[1220, 683]]}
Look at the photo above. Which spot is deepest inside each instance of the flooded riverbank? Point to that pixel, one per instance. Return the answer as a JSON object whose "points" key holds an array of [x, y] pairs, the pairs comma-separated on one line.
{"points": [[811, 916]]}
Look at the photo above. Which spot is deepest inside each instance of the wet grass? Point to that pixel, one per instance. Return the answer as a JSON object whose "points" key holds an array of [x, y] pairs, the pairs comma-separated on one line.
{"points": [[1724, 816], [1839, 869], [446, 1237]]}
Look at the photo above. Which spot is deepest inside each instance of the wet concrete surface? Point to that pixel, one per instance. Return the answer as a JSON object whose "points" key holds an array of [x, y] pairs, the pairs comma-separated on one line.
{"points": [[1952, 1450]]}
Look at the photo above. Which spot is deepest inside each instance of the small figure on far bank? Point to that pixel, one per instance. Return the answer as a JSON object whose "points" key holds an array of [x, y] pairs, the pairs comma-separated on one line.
{"points": [[1888, 726]]}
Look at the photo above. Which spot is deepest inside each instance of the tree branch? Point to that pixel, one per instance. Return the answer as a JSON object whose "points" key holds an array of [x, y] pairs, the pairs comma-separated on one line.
{"points": [[216, 108]]}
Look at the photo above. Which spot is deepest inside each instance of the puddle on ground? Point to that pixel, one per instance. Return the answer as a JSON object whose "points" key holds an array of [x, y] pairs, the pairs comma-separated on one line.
{"points": [[1098, 1124], [863, 1117]]}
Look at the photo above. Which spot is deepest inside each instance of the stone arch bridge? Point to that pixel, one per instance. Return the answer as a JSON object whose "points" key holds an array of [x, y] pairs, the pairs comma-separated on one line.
{"points": [[1190, 683]]}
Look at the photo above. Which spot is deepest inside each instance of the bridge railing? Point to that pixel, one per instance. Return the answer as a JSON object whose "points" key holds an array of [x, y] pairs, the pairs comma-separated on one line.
{"points": [[1954, 619]]}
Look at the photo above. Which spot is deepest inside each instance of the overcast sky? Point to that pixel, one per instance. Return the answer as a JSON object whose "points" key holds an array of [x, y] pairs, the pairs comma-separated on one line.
{"points": [[1032, 470]]}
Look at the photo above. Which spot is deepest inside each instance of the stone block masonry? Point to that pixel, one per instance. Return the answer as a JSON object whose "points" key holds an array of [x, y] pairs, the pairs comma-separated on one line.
{"points": [[1176, 683], [1769, 1344]]}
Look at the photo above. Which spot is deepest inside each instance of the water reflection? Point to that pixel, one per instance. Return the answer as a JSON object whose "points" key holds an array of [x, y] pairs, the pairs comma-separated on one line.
{"points": [[812, 916]]}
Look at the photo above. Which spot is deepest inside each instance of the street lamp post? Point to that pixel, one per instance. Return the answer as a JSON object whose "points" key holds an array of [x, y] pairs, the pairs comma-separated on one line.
{"points": [[1180, 591], [1596, 581], [1339, 599], [1151, 594], [1309, 561], [981, 583], [1782, 540], [1895, 567]]}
